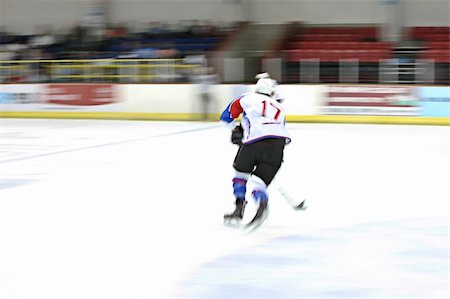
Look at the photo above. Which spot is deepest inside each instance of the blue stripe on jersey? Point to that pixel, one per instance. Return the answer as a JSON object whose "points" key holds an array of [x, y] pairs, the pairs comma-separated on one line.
{"points": [[226, 115]]}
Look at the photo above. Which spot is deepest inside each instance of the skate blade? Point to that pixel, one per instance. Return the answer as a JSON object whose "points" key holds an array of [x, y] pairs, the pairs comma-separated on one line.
{"points": [[232, 222], [256, 223]]}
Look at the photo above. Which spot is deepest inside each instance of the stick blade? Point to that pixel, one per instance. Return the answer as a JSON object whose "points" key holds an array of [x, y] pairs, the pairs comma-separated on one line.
{"points": [[302, 206]]}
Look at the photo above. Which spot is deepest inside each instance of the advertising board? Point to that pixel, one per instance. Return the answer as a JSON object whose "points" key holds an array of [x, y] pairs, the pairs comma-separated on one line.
{"points": [[80, 94], [303, 103], [371, 100], [21, 97], [434, 101], [59, 97]]}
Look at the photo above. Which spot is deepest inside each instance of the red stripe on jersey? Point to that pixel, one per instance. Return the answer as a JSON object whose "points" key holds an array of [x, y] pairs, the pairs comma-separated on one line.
{"points": [[236, 108]]}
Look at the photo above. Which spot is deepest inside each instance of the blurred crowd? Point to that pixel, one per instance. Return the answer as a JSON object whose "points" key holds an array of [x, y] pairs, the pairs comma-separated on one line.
{"points": [[182, 52], [156, 40]]}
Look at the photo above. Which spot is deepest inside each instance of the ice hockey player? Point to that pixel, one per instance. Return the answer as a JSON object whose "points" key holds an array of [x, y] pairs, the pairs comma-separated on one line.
{"points": [[261, 136]]}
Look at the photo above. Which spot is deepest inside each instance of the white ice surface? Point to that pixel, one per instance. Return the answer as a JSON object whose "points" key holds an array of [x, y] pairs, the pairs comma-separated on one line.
{"points": [[128, 209]]}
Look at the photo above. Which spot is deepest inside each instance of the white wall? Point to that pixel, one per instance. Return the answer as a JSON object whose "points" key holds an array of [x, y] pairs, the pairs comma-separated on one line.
{"points": [[318, 11], [415, 12], [426, 13], [29, 16], [24, 15], [139, 11]]}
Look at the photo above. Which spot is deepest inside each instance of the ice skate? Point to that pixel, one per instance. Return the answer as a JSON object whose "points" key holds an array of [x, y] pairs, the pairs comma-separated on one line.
{"points": [[235, 218], [260, 216]]}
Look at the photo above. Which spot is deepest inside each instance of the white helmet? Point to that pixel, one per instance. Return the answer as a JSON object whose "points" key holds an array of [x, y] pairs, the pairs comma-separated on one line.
{"points": [[265, 86], [262, 75]]}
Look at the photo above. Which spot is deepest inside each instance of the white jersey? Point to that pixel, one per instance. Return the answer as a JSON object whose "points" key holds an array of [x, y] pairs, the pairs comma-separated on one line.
{"points": [[262, 117], [278, 96]]}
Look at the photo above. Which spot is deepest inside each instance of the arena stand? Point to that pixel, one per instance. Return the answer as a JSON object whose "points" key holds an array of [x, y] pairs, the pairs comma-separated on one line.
{"points": [[307, 53], [321, 54], [159, 54], [435, 47], [332, 47]]}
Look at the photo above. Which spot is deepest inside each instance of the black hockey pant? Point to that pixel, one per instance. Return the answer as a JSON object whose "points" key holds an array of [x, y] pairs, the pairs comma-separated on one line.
{"points": [[262, 158]]}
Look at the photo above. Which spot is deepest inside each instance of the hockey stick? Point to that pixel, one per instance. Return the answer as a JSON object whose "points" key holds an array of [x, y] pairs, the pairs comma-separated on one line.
{"points": [[293, 202]]}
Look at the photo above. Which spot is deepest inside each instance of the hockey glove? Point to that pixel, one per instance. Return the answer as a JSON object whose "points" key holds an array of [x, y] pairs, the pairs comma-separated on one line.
{"points": [[236, 135]]}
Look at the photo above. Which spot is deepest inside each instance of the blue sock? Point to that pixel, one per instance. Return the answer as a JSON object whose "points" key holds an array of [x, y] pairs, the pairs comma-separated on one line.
{"points": [[260, 195], [239, 188]]}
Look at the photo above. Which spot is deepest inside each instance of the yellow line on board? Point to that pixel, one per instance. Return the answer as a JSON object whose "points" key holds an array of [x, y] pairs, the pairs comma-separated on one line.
{"points": [[100, 115], [358, 119], [347, 119]]}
